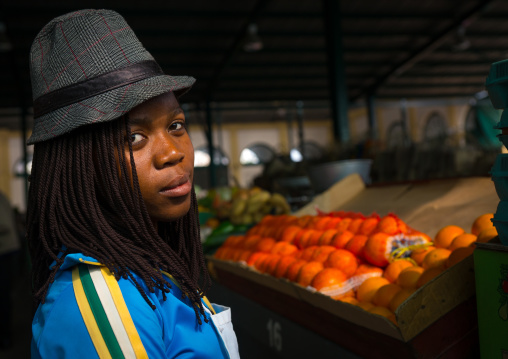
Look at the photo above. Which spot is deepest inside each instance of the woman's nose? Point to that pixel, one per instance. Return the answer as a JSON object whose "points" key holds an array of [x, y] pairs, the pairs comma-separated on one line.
{"points": [[167, 151]]}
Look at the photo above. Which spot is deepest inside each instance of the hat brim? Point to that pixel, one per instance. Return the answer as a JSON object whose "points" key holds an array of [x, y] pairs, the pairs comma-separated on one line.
{"points": [[107, 106]]}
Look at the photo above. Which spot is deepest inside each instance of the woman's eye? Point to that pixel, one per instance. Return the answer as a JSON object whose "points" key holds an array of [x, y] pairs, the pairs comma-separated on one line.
{"points": [[177, 126], [136, 137]]}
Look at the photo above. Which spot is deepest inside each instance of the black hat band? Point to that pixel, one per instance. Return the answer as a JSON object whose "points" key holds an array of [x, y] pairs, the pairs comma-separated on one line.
{"points": [[95, 86]]}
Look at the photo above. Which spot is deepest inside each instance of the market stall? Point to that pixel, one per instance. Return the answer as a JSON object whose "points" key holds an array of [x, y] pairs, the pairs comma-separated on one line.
{"points": [[438, 319]]}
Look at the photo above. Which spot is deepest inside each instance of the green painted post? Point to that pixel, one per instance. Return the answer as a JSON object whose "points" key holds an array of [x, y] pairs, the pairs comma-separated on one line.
{"points": [[336, 69]]}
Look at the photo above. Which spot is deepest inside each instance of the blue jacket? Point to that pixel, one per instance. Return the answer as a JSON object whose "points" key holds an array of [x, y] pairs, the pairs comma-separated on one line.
{"points": [[117, 320]]}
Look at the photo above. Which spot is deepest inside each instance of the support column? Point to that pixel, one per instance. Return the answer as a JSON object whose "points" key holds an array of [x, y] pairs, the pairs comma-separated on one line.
{"points": [[299, 116], [371, 115], [211, 151], [24, 115], [336, 69]]}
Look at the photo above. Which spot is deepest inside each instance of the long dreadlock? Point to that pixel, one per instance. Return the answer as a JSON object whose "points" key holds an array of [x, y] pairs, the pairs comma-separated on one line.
{"points": [[84, 198]]}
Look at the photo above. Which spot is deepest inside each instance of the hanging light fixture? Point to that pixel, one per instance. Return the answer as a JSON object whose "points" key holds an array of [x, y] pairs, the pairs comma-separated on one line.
{"points": [[461, 42], [19, 166], [252, 42]]}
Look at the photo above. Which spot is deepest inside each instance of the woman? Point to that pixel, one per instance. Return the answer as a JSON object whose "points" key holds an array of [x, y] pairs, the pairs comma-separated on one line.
{"points": [[118, 269]]}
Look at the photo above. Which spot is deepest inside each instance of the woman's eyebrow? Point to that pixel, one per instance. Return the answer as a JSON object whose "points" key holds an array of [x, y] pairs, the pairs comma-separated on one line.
{"points": [[177, 111], [146, 120], [139, 121]]}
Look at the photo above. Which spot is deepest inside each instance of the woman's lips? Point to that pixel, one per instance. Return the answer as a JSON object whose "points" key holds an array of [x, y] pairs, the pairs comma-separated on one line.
{"points": [[178, 190]]}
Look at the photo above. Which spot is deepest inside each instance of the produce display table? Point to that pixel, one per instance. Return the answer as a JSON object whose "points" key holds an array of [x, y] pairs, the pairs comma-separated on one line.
{"points": [[272, 324], [280, 319]]}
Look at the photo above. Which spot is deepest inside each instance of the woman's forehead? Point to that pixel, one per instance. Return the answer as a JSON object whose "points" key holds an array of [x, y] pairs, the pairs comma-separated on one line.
{"points": [[162, 104]]}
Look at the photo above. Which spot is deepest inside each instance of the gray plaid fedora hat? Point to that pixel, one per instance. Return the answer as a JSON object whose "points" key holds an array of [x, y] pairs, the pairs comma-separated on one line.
{"points": [[88, 66]]}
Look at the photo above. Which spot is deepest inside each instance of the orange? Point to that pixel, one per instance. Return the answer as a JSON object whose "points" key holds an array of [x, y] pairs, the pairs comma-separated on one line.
{"points": [[261, 262], [311, 224], [462, 240], [446, 235], [383, 311], [399, 298], [350, 300], [409, 276], [288, 235], [307, 253], [385, 294], [436, 258], [236, 254], [388, 225], [219, 252], [294, 269], [328, 278], [279, 247], [298, 236], [265, 245], [365, 305], [267, 220], [487, 234], [305, 238], [327, 237], [419, 254], [369, 287], [254, 257], [244, 257], [322, 223], [321, 253], [283, 265], [368, 268], [458, 255], [355, 245], [271, 263], [308, 272], [251, 241], [341, 238], [233, 241], [343, 224], [393, 269], [332, 223], [428, 275], [481, 223], [343, 260], [368, 226], [314, 238], [355, 225], [303, 220], [262, 231]]}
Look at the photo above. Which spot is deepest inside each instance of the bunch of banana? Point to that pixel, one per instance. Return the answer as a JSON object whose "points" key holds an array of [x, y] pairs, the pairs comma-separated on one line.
{"points": [[252, 208]]}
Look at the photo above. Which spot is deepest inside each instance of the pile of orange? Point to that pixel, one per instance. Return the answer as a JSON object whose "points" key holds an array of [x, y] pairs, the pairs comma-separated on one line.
{"points": [[328, 253]]}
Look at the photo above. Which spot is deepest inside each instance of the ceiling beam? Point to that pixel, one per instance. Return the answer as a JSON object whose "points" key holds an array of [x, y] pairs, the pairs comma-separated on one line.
{"points": [[434, 43], [37, 10], [168, 33], [375, 64]]}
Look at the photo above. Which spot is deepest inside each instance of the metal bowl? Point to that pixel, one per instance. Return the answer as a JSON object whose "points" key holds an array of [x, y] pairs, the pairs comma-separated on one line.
{"points": [[324, 175]]}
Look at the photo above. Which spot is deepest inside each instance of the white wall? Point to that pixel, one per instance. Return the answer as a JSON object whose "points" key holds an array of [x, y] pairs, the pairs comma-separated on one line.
{"points": [[236, 136], [17, 183]]}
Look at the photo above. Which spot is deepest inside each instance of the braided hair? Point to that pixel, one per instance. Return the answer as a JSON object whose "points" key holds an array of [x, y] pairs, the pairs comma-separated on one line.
{"points": [[84, 198]]}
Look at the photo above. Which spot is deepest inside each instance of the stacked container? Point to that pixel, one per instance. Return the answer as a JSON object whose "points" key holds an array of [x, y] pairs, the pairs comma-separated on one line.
{"points": [[491, 258], [497, 86]]}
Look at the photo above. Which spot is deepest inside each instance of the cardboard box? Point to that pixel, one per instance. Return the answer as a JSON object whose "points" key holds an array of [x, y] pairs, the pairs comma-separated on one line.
{"points": [[426, 206], [491, 263]]}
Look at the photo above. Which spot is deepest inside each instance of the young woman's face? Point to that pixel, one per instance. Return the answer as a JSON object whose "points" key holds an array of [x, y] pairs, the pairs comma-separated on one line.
{"points": [[163, 155]]}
